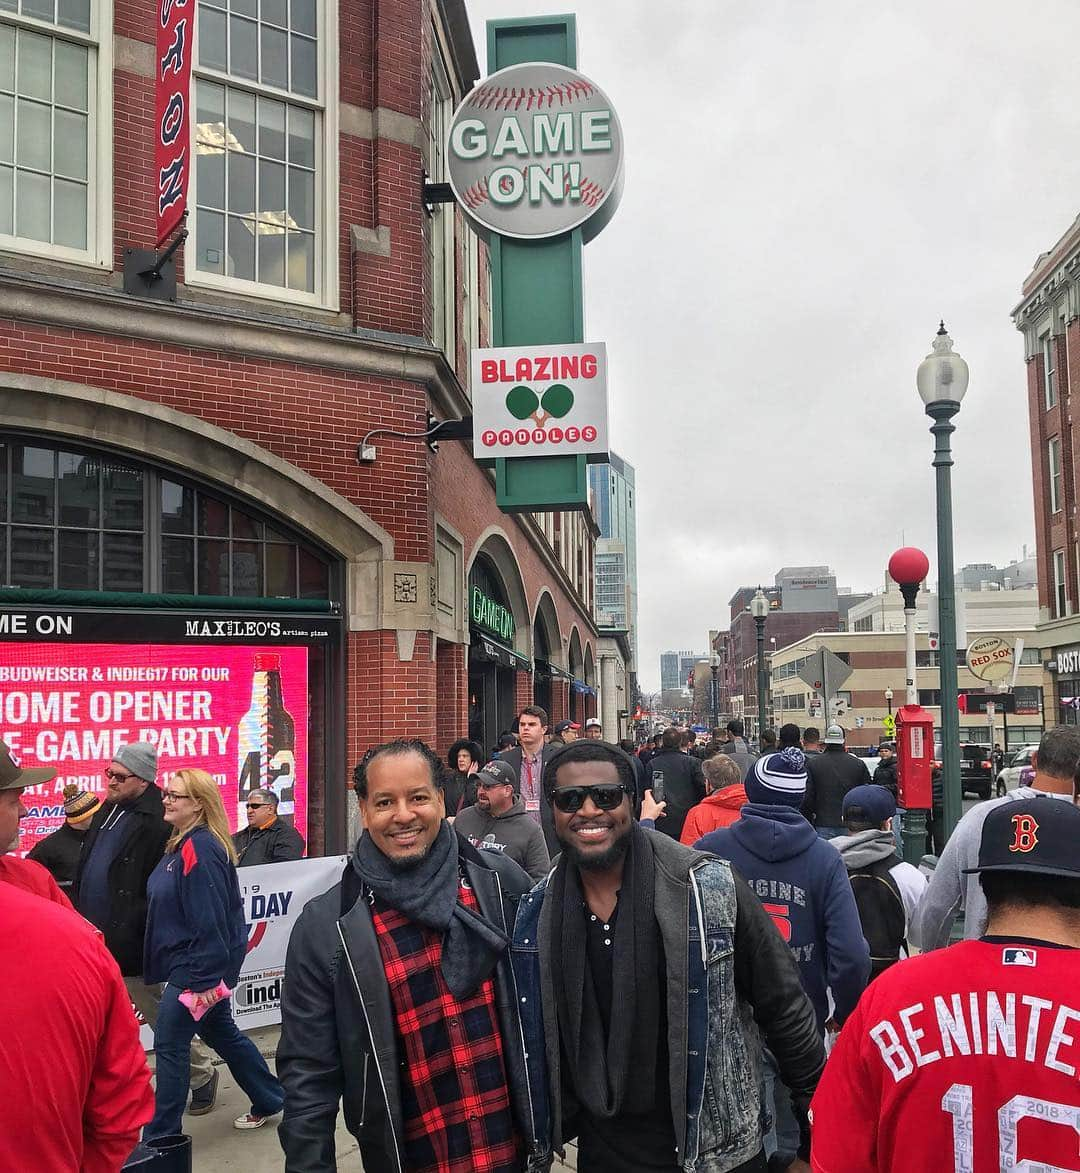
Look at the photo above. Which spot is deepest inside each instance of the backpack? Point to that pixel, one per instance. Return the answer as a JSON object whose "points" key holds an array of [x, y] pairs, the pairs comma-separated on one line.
{"points": [[881, 913]]}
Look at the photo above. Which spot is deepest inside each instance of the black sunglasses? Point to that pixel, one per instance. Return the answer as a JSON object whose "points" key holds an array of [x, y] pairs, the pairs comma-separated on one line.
{"points": [[606, 796]]}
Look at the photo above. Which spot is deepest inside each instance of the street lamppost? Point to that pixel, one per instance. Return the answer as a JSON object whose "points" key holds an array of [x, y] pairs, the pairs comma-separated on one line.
{"points": [[714, 664], [888, 699], [908, 568], [942, 380], [759, 608]]}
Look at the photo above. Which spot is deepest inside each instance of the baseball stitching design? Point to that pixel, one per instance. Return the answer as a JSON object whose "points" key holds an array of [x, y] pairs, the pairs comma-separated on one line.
{"points": [[489, 97]]}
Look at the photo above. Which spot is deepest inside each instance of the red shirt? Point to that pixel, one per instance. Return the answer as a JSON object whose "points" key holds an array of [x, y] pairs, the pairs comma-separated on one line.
{"points": [[32, 877], [74, 1085], [963, 1059], [455, 1099]]}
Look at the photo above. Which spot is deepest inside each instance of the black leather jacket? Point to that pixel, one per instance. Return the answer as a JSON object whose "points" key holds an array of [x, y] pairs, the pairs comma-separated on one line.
{"points": [[338, 1042]]}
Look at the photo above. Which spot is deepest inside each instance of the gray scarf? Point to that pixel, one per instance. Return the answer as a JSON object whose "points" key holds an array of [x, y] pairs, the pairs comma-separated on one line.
{"points": [[428, 895]]}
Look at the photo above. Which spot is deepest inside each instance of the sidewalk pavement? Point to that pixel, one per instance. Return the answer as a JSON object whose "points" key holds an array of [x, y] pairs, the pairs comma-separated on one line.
{"points": [[217, 1147]]}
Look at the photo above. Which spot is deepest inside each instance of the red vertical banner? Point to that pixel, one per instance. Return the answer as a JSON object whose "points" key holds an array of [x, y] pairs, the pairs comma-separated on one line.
{"points": [[172, 86]]}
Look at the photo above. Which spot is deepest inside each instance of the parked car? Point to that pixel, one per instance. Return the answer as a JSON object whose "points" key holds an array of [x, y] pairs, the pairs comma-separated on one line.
{"points": [[976, 768], [1009, 777]]}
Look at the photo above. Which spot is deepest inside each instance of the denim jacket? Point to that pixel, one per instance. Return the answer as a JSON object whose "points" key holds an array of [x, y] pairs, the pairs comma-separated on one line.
{"points": [[713, 1042]]}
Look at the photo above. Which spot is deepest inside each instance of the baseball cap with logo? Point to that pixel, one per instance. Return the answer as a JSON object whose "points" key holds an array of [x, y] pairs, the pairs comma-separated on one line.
{"points": [[834, 735], [564, 725], [592, 723], [498, 773], [1033, 835], [14, 777]]}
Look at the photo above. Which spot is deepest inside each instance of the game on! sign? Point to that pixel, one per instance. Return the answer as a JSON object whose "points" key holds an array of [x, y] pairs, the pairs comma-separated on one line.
{"points": [[536, 150], [540, 401]]}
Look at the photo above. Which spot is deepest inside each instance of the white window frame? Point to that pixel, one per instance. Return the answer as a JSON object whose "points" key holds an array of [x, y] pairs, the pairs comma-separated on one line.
{"points": [[1061, 589], [1053, 459], [327, 293], [98, 253], [1050, 396], [443, 222]]}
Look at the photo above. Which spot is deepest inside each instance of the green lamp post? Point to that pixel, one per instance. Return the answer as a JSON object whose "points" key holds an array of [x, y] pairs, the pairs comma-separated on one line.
{"points": [[942, 380]]}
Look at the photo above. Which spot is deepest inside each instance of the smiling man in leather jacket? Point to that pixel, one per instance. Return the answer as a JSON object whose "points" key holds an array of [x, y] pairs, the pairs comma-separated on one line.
{"points": [[398, 1001], [645, 972]]}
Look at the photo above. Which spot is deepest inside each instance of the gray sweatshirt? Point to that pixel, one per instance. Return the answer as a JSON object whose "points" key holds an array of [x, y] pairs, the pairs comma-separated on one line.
{"points": [[950, 888], [515, 834]]}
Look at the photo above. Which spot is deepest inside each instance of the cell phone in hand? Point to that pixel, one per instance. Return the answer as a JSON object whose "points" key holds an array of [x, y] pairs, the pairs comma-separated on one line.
{"points": [[658, 785]]}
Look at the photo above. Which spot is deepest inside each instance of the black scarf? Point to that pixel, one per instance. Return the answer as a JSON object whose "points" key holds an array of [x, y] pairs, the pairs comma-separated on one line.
{"points": [[428, 895], [618, 1074]]}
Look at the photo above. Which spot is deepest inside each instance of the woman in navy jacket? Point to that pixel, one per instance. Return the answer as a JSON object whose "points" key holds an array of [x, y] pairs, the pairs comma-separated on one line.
{"points": [[195, 941]]}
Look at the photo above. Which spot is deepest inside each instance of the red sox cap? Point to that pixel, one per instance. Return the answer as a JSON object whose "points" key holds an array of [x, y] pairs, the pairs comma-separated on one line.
{"points": [[1035, 835]]}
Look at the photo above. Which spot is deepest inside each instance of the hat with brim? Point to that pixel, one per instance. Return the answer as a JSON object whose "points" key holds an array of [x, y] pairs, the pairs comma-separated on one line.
{"points": [[499, 773], [1037, 835], [15, 777]]}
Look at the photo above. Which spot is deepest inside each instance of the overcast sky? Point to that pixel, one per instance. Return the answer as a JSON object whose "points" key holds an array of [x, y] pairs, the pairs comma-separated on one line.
{"points": [[809, 188]]}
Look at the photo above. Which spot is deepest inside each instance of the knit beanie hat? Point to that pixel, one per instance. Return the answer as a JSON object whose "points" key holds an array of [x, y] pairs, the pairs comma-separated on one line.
{"points": [[778, 779], [78, 804], [140, 758]]}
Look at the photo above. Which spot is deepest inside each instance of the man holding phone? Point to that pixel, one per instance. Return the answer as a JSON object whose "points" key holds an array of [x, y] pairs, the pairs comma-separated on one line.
{"points": [[676, 779]]}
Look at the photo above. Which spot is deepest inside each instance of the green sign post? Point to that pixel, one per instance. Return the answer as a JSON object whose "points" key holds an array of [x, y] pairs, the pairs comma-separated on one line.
{"points": [[536, 281]]}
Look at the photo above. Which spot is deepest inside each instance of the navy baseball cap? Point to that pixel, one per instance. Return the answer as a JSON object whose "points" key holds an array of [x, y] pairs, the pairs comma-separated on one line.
{"points": [[868, 804], [1033, 835]]}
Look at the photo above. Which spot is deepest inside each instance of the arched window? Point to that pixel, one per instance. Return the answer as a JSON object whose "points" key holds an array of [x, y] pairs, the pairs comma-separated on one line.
{"points": [[73, 518]]}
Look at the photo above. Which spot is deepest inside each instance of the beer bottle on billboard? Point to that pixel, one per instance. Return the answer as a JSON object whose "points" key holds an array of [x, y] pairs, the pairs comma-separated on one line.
{"points": [[267, 741]]}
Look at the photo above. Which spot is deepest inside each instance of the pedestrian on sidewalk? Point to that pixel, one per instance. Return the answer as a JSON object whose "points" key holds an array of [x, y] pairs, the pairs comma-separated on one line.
{"points": [[830, 775], [196, 938], [499, 822], [642, 968], [266, 839], [59, 852], [803, 885], [125, 842], [724, 798], [399, 1002], [464, 758], [967, 1057], [22, 873], [74, 1085]]}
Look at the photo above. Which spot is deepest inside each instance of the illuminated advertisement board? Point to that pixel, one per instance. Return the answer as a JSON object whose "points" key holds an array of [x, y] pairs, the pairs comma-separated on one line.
{"points": [[231, 695]]}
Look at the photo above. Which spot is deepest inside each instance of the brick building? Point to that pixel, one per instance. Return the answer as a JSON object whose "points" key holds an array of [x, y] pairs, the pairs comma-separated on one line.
{"points": [[1048, 316], [197, 457]]}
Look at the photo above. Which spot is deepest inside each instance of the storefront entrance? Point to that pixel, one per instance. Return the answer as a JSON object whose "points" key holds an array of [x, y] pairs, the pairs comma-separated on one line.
{"points": [[492, 659]]}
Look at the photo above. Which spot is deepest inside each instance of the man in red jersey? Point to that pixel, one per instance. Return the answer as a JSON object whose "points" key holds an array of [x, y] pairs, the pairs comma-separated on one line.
{"points": [[968, 1058]]}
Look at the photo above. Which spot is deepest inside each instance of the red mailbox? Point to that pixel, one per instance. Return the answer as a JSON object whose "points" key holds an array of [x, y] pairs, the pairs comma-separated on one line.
{"points": [[914, 752]]}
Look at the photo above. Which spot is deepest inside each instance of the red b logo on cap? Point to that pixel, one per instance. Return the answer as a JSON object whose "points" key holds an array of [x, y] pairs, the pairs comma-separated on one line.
{"points": [[1026, 833]]}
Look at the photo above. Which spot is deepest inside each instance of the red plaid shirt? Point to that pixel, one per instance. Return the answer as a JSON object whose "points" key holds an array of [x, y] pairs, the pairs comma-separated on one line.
{"points": [[454, 1094]]}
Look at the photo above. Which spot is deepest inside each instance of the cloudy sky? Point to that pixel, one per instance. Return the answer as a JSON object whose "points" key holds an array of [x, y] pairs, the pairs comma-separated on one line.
{"points": [[809, 188]]}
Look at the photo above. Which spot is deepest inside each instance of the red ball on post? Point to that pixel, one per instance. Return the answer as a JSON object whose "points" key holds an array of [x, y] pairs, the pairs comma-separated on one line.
{"points": [[909, 565]]}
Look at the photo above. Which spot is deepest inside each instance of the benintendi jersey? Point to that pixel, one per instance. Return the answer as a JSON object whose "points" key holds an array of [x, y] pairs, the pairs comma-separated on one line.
{"points": [[966, 1059]]}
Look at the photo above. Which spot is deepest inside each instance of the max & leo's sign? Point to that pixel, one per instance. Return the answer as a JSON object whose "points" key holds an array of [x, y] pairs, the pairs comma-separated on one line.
{"points": [[540, 400], [535, 151]]}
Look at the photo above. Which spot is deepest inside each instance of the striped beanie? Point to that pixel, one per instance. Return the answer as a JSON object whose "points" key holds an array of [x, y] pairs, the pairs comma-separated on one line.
{"points": [[78, 804], [778, 779]]}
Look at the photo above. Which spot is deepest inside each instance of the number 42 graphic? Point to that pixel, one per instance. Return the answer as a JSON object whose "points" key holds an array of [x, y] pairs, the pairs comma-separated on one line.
{"points": [[957, 1101]]}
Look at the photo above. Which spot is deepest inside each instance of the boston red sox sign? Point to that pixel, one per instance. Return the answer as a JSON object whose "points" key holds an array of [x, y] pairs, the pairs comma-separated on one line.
{"points": [[540, 401], [172, 83], [534, 151]]}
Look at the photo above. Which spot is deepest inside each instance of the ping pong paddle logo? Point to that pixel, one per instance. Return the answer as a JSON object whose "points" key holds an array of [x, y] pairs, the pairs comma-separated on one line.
{"points": [[523, 403], [1026, 833]]}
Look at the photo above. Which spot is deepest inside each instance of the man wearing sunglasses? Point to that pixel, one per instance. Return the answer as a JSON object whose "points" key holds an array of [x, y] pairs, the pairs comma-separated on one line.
{"points": [[640, 964], [125, 842], [266, 839]]}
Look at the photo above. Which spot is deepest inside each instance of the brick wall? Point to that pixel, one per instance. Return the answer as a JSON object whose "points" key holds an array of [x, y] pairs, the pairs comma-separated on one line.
{"points": [[451, 694]]}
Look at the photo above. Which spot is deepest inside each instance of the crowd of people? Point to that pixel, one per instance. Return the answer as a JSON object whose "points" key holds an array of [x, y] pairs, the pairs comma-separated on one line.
{"points": [[680, 958]]}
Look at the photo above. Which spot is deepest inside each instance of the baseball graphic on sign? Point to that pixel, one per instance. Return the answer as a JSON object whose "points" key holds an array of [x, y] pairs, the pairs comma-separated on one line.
{"points": [[534, 151]]}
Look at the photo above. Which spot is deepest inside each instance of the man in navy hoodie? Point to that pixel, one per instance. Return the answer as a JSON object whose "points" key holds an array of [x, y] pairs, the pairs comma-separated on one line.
{"points": [[803, 885]]}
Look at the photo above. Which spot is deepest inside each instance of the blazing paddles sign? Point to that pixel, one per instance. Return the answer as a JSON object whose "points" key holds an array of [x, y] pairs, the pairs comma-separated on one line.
{"points": [[540, 401], [534, 151]]}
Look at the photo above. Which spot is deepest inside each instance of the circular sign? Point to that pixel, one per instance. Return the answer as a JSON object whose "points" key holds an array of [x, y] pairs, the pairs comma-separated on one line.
{"points": [[989, 658], [535, 151]]}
